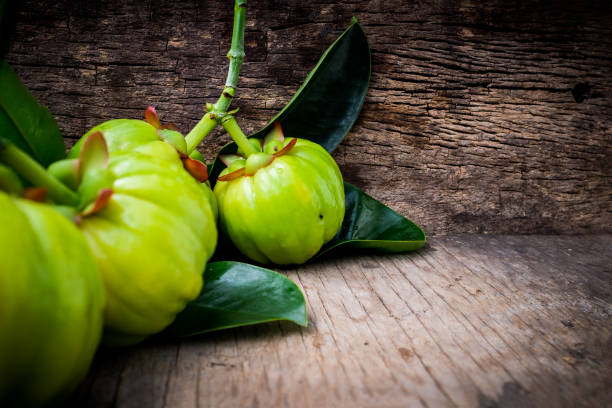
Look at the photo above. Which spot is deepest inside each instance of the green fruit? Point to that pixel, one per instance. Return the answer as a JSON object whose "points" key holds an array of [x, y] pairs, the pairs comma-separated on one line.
{"points": [[9, 181], [273, 146], [121, 135], [52, 304], [152, 241], [287, 208], [132, 135], [212, 200]]}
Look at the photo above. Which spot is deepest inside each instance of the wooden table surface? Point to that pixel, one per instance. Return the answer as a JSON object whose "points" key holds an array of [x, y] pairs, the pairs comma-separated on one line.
{"points": [[470, 321]]}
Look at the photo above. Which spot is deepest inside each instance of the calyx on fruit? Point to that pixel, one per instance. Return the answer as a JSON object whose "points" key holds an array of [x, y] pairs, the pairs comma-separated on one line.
{"points": [[281, 207], [147, 137], [273, 146]]}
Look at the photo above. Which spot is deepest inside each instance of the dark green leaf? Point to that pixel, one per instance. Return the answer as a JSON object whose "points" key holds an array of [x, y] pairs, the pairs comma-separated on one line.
{"points": [[368, 224], [24, 122], [238, 294], [372, 225], [327, 104]]}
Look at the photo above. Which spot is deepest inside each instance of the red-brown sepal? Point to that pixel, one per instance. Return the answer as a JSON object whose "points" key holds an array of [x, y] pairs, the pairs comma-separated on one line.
{"points": [[196, 168], [233, 175]]}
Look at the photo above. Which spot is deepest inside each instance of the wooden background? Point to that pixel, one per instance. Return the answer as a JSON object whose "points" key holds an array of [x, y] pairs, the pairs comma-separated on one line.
{"points": [[480, 118], [489, 118]]}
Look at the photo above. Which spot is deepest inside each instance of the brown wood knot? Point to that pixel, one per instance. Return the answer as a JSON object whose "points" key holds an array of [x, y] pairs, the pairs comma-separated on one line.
{"points": [[581, 92], [318, 341], [405, 353]]}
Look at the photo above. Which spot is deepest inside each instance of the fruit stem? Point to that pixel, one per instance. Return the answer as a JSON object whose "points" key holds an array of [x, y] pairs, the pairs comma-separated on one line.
{"points": [[231, 126], [36, 174], [218, 111], [200, 131], [235, 55]]}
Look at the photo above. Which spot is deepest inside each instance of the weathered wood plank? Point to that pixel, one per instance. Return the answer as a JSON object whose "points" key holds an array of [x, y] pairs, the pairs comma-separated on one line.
{"points": [[491, 117], [488, 321]]}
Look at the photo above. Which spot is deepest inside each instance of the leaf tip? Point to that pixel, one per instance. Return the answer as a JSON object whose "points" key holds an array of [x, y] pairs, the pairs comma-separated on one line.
{"points": [[303, 321]]}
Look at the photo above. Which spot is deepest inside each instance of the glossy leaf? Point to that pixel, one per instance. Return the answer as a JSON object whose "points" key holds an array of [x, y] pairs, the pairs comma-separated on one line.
{"points": [[24, 122], [327, 104], [370, 224], [238, 294]]}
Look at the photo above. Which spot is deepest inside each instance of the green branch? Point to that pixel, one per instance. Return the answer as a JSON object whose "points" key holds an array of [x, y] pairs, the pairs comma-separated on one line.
{"points": [[200, 131], [218, 111], [231, 126], [36, 174], [235, 55]]}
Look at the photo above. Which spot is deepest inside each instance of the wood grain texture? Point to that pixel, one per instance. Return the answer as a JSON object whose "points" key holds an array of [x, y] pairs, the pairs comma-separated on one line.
{"points": [[470, 124], [472, 321]]}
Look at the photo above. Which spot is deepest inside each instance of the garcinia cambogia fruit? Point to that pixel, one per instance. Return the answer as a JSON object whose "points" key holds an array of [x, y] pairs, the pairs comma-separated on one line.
{"points": [[148, 137], [123, 135], [283, 202], [151, 228], [51, 304]]}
